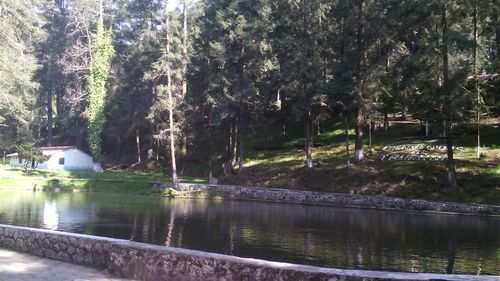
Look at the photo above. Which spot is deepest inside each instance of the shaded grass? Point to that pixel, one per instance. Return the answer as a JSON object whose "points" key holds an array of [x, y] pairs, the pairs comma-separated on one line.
{"points": [[479, 179]]}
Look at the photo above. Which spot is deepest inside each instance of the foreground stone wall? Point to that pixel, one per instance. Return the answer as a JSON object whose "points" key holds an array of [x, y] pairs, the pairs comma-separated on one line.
{"points": [[68, 247], [156, 263], [335, 199]]}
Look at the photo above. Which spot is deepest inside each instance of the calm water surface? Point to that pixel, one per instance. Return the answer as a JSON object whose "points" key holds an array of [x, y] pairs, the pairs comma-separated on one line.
{"points": [[323, 236]]}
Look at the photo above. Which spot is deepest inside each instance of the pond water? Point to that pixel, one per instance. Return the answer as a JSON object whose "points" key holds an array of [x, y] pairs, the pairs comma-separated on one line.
{"points": [[315, 235]]}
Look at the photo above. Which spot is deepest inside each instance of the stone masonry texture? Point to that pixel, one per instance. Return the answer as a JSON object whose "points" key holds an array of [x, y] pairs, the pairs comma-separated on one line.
{"points": [[156, 263], [335, 199]]}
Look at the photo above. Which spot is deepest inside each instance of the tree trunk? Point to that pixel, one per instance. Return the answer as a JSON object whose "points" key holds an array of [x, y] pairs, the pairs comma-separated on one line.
{"points": [[452, 180], [404, 116], [170, 105], [308, 140], [370, 135], [446, 80], [50, 112], [240, 142], [358, 141], [184, 73], [476, 82], [138, 143], [360, 68], [184, 150], [346, 132], [311, 127], [496, 18], [172, 137], [118, 145], [386, 121], [234, 141], [158, 148], [228, 167], [184, 48], [50, 120], [59, 106]]}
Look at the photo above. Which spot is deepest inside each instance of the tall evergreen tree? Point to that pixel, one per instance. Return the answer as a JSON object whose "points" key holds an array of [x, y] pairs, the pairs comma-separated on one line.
{"points": [[51, 76], [20, 32], [296, 42], [167, 73]]}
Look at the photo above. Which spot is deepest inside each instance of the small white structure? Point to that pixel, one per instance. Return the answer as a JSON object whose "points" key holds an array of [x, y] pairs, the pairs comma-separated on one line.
{"points": [[67, 158]]}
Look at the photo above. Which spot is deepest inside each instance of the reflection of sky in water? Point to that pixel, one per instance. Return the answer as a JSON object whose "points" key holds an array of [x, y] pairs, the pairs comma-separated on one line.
{"points": [[50, 216], [316, 235]]}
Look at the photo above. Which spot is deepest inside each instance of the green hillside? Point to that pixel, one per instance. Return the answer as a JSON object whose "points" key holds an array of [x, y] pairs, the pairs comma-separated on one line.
{"points": [[281, 164]]}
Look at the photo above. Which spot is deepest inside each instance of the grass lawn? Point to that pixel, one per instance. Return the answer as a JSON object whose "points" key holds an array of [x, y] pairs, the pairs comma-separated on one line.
{"points": [[123, 181], [283, 166]]}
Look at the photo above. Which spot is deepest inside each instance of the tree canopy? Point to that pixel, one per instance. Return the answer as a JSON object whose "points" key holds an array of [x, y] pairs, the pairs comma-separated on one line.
{"points": [[113, 78]]}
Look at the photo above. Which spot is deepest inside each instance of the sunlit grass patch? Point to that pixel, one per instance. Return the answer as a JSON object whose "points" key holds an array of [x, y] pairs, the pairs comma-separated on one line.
{"points": [[120, 181]]}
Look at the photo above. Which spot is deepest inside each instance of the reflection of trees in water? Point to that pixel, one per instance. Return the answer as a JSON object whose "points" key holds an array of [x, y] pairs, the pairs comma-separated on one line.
{"points": [[21, 208], [325, 236], [371, 239], [452, 245], [134, 228], [233, 237], [307, 244], [170, 230]]}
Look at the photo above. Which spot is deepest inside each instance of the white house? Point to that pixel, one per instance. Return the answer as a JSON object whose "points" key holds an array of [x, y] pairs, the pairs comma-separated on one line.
{"points": [[67, 158]]}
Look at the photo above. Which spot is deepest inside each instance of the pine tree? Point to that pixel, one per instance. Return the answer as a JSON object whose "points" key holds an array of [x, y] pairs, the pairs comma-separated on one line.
{"points": [[20, 32], [296, 43], [167, 74]]}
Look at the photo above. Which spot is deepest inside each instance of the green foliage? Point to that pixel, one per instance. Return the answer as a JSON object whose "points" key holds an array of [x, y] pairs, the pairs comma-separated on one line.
{"points": [[31, 155], [168, 192], [101, 54], [253, 66], [156, 74], [20, 31]]}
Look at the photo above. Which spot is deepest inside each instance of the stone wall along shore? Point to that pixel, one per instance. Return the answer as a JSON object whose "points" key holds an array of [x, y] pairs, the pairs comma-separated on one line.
{"points": [[156, 263], [335, 199]]}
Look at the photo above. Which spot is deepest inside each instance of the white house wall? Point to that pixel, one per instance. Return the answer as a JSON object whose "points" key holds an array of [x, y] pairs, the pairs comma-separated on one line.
{"points": [[75, 160], [53, 162], [14, 162]]}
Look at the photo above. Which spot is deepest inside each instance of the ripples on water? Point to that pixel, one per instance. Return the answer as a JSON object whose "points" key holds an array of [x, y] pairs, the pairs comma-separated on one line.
{"points": [[323, 236]]}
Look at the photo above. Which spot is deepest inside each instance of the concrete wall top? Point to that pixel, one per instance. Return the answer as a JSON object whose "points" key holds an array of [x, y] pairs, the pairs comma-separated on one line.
{"points": [[155, 263]]}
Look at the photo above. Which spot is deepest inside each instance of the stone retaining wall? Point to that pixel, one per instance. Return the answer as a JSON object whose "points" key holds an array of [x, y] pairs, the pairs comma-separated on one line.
{"points": [[155, 263], [336, 199]]}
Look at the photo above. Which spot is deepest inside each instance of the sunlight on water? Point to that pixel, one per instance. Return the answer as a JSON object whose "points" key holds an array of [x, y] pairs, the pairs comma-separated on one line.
{"points": [[50, 216]]}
